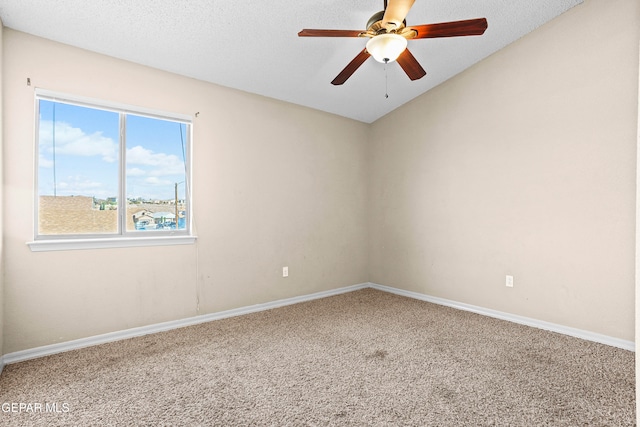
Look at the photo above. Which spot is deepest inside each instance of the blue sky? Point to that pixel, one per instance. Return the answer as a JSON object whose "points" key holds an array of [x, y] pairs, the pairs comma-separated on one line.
{"points": [[87, 153]]}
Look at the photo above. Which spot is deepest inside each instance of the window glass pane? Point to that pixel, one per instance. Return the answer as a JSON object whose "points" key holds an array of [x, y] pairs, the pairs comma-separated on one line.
{"points": [[78, 169], [155, 174]]}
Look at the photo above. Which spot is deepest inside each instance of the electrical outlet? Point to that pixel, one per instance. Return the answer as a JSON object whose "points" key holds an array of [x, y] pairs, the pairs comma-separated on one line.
{"points": [[285, 271], [509, 281]]}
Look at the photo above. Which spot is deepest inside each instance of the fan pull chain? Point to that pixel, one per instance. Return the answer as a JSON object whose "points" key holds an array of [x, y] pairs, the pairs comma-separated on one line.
{"points": [[386, 79]]}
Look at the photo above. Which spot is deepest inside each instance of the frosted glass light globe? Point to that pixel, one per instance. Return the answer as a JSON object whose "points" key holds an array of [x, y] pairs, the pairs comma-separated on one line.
{"points": [[386, 47]]}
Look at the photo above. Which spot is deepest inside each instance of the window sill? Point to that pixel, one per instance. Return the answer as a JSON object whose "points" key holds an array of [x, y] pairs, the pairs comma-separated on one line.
{"points": [[122, 242]]}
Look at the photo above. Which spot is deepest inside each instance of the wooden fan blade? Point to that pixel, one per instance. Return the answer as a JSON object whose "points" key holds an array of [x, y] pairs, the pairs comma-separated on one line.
{"points": [[469, 27], [411, 66], [395, 12], [351, 67], [329, 33]]}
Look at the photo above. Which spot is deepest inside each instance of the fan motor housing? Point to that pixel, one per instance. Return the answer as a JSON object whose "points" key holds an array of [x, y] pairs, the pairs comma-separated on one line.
{"points": [[375, 18], [375, 24]]}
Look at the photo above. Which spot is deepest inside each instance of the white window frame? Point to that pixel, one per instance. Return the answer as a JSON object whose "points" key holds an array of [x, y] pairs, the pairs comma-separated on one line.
{"points": [[123, 238]]}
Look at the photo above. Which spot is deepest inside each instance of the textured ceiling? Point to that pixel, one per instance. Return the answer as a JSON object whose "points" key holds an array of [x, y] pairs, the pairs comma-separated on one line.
{"points": [[253, 45]]}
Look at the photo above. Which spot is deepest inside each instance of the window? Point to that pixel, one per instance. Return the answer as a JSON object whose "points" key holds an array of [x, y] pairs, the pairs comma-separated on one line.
{"points": [[108, 173]]}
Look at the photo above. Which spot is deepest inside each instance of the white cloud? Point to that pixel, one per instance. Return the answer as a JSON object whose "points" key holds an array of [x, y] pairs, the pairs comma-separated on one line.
{"points": [[44, 162], [135, 172], [74, 141], [81, 185], [153, 180], [150, 174], [162, 164]]}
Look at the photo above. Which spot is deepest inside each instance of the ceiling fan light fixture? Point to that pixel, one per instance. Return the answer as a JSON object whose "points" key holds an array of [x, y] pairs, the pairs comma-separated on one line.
{"points": [[386, 47]]}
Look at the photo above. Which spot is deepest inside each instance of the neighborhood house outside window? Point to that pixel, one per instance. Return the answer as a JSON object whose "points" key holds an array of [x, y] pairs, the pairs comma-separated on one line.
{"points": [[110, 172]]}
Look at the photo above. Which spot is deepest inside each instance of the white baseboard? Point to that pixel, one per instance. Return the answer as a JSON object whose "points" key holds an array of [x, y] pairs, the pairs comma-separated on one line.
{"points": [[48, 350], [540, 324]]}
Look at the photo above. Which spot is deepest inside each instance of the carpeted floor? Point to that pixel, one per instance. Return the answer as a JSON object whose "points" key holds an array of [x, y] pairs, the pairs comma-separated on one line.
{"points": [[362, 358]]}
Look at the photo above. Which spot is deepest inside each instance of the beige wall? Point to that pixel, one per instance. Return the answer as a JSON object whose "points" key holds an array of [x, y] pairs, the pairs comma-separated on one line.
{"points": [[274, 184], [637, 299], [524, 165], [1, 204]]}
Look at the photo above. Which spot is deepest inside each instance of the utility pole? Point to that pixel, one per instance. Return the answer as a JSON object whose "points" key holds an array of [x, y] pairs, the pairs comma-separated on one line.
{"points": [[176, 219]]}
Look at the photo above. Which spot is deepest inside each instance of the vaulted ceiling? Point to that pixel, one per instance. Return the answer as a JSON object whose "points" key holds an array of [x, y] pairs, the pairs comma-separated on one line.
{"points": [[253, 45]]}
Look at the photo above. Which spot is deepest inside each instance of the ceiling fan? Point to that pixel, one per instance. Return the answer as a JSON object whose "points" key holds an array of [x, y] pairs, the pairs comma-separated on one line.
{"points": [[388, 33]]}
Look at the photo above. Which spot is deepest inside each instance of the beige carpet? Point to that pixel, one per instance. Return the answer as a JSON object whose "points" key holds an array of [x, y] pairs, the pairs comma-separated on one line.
{"points": [[362, 358]]}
